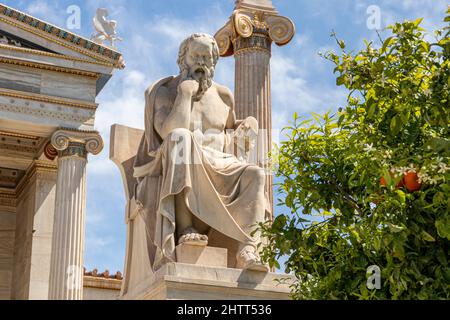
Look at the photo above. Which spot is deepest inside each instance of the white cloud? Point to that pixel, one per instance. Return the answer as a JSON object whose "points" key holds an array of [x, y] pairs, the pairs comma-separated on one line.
{"points": [[49, 11]]}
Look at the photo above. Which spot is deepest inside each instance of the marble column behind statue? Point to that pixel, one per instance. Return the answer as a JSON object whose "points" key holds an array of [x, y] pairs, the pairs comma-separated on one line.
{"points": [[67, 260], [248, 35]]}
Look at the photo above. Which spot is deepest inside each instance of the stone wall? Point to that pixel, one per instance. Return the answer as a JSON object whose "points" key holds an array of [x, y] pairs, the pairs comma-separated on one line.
{"points": [[98, 288]]}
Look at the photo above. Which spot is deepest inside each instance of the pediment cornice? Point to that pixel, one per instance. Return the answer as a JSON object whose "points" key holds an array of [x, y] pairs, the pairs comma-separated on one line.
{"points": [[59, 38]]}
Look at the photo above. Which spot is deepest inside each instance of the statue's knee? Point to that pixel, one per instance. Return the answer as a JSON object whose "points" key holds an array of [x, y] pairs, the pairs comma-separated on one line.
{"points": [[256, 175]]}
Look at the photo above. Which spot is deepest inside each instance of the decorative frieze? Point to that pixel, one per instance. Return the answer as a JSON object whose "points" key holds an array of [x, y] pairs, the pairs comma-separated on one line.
{"points": [[47, 99], [47, 108]]}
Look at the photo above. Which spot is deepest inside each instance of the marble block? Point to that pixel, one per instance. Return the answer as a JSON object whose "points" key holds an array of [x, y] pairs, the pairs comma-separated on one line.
{"points": [[179, 281], [202, 255]]}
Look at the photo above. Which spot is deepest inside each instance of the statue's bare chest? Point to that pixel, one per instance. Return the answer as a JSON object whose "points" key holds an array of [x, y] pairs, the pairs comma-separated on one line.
{"points": [[211, 112]]}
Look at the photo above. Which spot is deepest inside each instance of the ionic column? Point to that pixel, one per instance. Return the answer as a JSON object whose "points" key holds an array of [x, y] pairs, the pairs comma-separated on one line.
{"points": [[248, 35], [66, 270]]}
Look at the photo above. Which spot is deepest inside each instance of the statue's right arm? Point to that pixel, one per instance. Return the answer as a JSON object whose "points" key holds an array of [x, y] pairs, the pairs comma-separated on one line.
{"points": [[169, 117]]}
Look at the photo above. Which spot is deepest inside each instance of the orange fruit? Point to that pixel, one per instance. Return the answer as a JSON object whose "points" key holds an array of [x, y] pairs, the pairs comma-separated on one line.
{"points": [[411, 181]]}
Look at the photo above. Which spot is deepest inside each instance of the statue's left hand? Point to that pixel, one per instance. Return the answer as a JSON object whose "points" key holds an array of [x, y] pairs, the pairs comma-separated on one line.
{"points": [[248, 127]]}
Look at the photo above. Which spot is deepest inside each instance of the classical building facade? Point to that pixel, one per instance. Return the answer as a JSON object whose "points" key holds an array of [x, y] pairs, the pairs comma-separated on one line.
{"points": [[49, 80]]}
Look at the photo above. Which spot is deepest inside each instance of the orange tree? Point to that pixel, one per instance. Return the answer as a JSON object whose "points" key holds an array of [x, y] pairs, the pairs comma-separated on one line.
{"points": [[378, 171]]}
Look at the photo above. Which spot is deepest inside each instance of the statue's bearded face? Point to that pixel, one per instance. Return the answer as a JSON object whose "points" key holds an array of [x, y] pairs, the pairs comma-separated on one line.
{"points": [[199, 63], [199, 59]]}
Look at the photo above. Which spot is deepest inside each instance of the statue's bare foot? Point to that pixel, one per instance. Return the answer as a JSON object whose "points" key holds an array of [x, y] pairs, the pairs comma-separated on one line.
{"points": [[248, 259], [192, 237]]}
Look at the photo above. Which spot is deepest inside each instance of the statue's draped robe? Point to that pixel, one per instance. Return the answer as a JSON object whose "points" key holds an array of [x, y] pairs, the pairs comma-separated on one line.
{"points": [[214, 193]]}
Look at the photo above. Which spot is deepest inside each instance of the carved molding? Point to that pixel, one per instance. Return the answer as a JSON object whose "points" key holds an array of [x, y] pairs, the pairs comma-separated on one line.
{"points": [[44, 113], [48, 99], [7, 199], [20, 143], [47, 67], [18, 135], [253, 23], [70, 142], [54, 55]]}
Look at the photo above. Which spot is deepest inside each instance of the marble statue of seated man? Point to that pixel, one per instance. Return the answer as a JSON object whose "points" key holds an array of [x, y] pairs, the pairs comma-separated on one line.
{"points": [[201, 185]]}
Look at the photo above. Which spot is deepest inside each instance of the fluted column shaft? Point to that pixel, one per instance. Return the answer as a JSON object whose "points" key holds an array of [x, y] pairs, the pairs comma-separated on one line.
{"points": [[252, 93], [66, 273], [67, 259]]}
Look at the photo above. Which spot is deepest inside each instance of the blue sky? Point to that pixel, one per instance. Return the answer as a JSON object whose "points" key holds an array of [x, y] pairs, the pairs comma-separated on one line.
{"points": [[302, 81]]}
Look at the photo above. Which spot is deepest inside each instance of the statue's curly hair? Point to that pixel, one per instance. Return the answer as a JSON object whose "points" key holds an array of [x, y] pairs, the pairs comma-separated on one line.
{"points": [[185, 46]]}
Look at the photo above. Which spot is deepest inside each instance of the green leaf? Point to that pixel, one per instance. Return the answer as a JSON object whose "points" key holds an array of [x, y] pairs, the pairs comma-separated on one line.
{"points": [[417, 22], [401, 196], [443, 227], [395, 228], [398, 250], [340, 81], [427, 237], [387, 43], [396, 125], [425, 46], [372, 109]]}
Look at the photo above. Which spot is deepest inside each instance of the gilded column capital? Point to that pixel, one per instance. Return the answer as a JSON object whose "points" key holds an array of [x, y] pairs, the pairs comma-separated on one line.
{"points": [[76, 143], [254, 29]]}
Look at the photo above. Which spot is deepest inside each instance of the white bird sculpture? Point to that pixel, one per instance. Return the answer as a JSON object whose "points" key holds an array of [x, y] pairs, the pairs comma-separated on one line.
{"points": [[106, 29]]}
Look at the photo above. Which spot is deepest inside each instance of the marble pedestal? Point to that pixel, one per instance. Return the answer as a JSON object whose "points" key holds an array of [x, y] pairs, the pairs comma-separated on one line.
{"points": [[179, 281], [200, 255]]}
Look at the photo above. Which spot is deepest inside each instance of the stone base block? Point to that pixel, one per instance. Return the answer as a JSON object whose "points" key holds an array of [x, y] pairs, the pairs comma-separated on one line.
{"points": [[201, 255], [178, 281]]}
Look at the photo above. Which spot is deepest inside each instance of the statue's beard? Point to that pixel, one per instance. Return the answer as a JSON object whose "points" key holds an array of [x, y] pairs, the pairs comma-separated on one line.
{"points": [[203, 75]]}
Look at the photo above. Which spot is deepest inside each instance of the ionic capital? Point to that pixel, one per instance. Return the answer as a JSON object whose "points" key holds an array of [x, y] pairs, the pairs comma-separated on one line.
{"points": [[76, 143], [254, 29]]}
